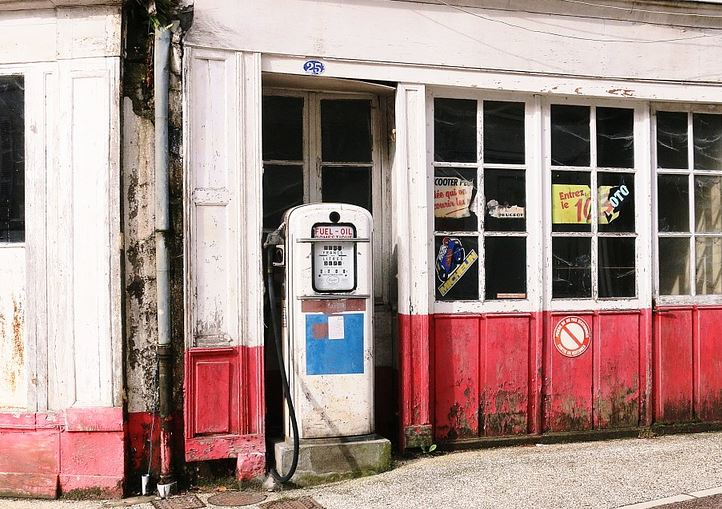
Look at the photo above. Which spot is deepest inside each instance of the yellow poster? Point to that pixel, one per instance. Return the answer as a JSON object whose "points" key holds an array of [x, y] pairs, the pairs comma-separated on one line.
{"points": [[572, 203]]}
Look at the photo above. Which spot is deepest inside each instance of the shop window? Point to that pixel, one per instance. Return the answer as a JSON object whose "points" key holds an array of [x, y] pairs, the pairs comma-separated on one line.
{"points": [[593, 233], [12, 159], [480, 210], [689, 203]]}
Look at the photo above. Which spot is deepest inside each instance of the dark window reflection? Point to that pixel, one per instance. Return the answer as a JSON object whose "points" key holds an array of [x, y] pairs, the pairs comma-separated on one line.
{"points": [[505, 264], [571, 201], [346, 130], [505, 195], [673, 203], [455, 130], [707, 136], [571, 267], [616, 267], [347, 185], [503, 132], [282, 189], [570, 135], [615, 202], [672, 139], [282, 128], [454, 195], [674, 266], [456, 267], [12, 159], [615, 137]]}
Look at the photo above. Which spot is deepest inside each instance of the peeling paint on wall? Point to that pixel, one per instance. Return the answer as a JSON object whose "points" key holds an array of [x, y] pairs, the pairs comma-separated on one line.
{"points": [[13, 379]]}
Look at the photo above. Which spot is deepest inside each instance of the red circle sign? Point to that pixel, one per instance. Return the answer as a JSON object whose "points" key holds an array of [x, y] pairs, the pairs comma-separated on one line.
{"points": [[571, 336]]}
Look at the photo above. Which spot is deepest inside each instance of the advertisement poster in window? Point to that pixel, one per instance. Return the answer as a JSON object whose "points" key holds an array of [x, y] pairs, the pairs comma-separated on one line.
{"points": [[454, 193], [457, 270], [572, 203]]}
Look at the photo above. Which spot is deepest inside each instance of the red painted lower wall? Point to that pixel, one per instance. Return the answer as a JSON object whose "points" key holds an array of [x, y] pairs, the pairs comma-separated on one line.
{"points": [[485, 375], [45, 455]]}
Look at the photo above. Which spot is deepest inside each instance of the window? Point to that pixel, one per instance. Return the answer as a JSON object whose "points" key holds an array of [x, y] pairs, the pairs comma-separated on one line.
{"points": [[689, 203], [593, 233], [480, 211], [12, 159]]}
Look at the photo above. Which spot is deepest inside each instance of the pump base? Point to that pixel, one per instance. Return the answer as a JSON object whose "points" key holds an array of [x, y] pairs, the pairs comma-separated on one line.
{"points": [[331, 459]]}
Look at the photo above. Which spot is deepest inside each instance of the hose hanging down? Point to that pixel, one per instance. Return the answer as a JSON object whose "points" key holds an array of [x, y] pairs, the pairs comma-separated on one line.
{"points": [[284, 380]]}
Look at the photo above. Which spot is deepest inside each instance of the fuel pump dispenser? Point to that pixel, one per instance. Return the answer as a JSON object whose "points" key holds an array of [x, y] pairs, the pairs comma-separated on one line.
{"points": [[328, 345]]}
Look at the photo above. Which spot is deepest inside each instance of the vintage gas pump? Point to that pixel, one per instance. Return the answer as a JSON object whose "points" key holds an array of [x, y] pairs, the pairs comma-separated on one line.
{"points": [[328, 344]]}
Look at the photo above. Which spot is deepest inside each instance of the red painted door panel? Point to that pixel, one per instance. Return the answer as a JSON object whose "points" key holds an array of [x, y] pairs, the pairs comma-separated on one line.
{"points": [[709, 364], [617, 386], [673, 365], [505, 375], [456, 365]]}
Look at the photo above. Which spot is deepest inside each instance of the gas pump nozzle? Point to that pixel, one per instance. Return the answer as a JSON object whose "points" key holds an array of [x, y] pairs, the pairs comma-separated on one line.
{"points": [[277, 240]]}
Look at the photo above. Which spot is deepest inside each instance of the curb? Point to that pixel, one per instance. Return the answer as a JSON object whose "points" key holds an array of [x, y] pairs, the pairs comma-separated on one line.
{"points": [[683, 497]]}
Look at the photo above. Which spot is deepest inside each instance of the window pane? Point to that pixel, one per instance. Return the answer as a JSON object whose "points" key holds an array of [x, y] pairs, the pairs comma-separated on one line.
{"points": [[672, 139], [570, 135], [708, 204], [282, 189], [454, 195], [707, 132], [282, 128], [503, 132], [615, 137], [505, 265], [571, 267], [457, 268], [346, 130], [709, 265], [571, 201], [674, 266], [505, 194], [615, 198], [455, 130], [673, 203], [347, 185], [616, 267], [12, 159]]}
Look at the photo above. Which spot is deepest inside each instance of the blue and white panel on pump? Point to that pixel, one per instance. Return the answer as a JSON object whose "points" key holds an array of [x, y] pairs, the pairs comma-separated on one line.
{"points": [[334, 344]]}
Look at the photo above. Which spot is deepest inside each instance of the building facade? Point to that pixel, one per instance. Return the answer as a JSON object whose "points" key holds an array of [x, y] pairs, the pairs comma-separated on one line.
{"points": [[545, 182]]}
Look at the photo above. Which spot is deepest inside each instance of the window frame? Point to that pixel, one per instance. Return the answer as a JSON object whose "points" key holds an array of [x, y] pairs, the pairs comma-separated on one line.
{"points": [[641, 203], [690, 172], [21, 73], [532, 232]]}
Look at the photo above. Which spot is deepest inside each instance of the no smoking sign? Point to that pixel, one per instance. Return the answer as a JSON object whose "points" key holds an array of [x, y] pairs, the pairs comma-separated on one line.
{"points": [[571, 336]]}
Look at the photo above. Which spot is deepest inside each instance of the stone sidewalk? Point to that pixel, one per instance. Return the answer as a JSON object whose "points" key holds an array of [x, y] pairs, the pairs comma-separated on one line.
{"points": [[607, 474]]}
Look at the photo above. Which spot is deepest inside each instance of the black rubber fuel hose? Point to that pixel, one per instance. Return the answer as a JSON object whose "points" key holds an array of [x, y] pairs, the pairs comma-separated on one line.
{"points": [[275, 326]]}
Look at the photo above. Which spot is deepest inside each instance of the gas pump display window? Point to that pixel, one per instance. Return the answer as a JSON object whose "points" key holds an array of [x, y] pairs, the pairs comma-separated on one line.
{"points": [[333, 260]]}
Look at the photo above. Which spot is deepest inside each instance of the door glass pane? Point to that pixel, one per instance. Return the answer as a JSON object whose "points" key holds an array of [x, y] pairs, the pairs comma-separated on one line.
{"points": [[672, 203], [346, 130], [571, 201], [505, 264], [674, 266], [282, 189], [672, 139], [708, 203], [347, 185], [571, 267], [615, 137], [615, 200], [282, 128], [455, 130], [708, 251], [616, 267], [503, 132], [454, 199], [12, 159], [505, 195], [457, 268], [707, 137], [570, 135]]}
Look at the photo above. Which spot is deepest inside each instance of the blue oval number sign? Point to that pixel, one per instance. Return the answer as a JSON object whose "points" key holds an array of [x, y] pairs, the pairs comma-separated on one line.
{"points": [[314, 67]]}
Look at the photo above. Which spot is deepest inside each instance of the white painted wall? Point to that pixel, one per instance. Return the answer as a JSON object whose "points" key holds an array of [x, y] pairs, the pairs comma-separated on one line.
{"points": [[71, 260]]}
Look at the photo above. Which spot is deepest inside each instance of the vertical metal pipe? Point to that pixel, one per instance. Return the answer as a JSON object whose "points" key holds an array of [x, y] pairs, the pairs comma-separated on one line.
{"points": [[162, 229]]}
